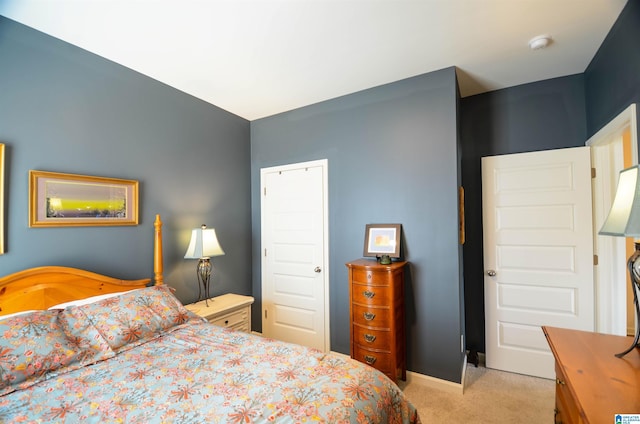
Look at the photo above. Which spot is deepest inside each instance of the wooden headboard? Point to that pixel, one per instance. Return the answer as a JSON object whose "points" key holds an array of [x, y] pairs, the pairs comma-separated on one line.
{"points": [[40, 288]]}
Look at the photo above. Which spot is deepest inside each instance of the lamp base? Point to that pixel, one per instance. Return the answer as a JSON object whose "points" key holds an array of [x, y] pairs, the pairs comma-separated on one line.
{"points": [[204, 275], [634, 273]]}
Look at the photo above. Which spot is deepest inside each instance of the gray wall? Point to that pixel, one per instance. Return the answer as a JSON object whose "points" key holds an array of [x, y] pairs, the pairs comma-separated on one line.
{"points": [[392, 158], [557, 113], [539, 116], [612, 79], [63, 109]]}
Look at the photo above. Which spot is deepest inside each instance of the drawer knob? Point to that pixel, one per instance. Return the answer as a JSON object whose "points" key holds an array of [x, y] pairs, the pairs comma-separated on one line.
{"points": [[226, 322], [559, 382], [369, 359], [368, 316], [370, 338], [368, 294]]}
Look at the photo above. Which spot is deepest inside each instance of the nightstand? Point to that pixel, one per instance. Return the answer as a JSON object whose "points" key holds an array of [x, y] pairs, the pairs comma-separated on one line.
{"points": [[229, 310]]}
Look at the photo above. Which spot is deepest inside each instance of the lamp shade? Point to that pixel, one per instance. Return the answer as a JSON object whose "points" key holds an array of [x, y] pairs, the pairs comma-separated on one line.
{"points": [[203, 244], [624, 216]]}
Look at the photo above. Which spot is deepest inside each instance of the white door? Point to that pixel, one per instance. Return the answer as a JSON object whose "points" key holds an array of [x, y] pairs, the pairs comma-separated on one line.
{"points": [[294, 251], [538, 254]]}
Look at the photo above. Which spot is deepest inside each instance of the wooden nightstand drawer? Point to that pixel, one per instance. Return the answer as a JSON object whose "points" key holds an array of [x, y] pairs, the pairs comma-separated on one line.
{"points": [[228, 310], [237, 320]]}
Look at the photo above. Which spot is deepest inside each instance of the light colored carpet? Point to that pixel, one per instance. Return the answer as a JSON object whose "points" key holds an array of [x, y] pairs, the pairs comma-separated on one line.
{"points": [[490, 396]]}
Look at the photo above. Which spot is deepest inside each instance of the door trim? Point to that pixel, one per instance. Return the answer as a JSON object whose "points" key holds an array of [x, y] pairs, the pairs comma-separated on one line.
{"points": [[610, 281], [324, 164]]}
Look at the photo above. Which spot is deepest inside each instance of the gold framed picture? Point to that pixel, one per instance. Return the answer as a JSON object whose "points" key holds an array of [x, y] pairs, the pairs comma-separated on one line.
{"points": [[70, 200], [382, 239]]}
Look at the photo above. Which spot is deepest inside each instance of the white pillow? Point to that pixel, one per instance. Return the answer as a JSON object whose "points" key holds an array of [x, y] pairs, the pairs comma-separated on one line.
{"points": [[15, 314], [91, 299]]}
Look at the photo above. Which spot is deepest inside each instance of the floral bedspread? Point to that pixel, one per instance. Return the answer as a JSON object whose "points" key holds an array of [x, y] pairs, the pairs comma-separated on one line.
{"points": [[196, 372]]}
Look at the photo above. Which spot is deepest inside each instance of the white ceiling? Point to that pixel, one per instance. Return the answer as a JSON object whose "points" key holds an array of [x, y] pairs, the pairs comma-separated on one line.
{"points": [[256, 58]]}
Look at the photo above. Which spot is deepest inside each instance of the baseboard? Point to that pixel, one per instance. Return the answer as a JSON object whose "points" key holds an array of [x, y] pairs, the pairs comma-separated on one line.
{"points": [[428, 381], [436, 383], [483, 359], [463, 378]]}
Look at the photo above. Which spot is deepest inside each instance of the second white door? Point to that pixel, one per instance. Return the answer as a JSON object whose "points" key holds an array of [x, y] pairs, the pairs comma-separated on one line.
{"points": [[294, 248], [538, 254]]}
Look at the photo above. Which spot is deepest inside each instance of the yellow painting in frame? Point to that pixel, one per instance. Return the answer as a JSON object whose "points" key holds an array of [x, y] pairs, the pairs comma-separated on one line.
{"points": [[71, 200], [1, 198]]}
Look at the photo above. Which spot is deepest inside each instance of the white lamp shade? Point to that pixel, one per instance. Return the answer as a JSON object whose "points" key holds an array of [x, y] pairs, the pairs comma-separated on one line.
{"points": [[203, 244], [624, 216]]}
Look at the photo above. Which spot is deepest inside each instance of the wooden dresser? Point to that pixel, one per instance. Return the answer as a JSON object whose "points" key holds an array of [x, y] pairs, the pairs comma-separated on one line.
{"points": [[377, 315], [592, 385]]}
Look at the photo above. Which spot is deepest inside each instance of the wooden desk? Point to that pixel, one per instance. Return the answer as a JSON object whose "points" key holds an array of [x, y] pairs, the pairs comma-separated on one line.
{"points": [[592, 385]]}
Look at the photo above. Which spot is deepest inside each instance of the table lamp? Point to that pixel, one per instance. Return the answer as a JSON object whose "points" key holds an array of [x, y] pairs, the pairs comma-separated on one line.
{"points": [[624, 221], [202, 246]]}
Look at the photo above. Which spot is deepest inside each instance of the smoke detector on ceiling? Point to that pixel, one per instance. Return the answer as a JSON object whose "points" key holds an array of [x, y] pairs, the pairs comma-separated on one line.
{"points": [[539, 42]]}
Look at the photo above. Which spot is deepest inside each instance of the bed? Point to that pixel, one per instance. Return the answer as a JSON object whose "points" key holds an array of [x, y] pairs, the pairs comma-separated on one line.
{"points": [[82, 347]]}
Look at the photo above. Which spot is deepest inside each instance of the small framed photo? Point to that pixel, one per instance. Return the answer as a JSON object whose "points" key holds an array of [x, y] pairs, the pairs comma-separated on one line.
{"points": [[69, 200], [382, 239]]}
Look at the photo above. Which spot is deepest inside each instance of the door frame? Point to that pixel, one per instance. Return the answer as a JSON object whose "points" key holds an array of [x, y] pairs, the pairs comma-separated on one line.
{"points": [[324, 165], [610, 281]]}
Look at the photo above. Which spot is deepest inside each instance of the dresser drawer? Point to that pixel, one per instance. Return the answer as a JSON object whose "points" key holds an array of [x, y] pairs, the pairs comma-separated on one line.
{"points": [[367, 294], [371, 317], [237, 319], [372, 339], [566, 409], [369, 277], [379, 360]]}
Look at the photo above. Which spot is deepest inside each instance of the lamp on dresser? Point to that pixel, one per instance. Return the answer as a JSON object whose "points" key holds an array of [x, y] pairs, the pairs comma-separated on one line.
{"points": [[624, 221], [203, 245]]}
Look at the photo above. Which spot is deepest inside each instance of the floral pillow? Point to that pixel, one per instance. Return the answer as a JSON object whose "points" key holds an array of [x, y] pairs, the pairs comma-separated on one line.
{"points": [[32, 346], [133, 317], [85, 301], [85, 339]]}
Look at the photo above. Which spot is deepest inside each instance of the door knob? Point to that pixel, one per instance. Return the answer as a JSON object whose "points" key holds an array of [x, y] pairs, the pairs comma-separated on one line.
{"points": [[491, 273], [317, 269]]}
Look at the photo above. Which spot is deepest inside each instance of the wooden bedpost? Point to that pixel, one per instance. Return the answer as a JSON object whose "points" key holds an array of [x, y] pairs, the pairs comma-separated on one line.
{"points": [[157, 252]]}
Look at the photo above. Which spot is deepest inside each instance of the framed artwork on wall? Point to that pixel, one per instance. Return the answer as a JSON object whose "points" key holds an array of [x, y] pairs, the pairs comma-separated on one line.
{"points": [[70, 200], [382, 239], [461, 203], [1, 198]]}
